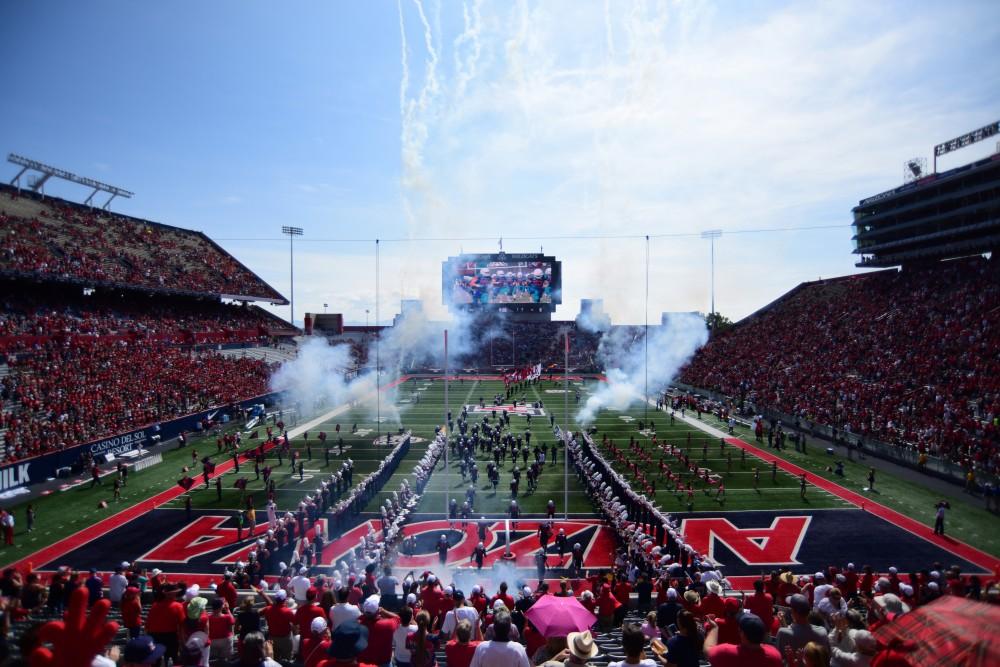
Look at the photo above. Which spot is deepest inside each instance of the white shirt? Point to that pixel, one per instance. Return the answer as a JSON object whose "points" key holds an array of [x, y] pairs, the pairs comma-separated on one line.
{"points": [[645, 662], [343, 612], [500, 654], [399, 642], [452, 618], [300, 586], [116, 587], [819, 593]]}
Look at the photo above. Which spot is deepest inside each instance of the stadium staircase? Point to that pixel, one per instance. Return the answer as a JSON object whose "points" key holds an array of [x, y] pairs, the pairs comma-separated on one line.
{"points": [[268, 354]]}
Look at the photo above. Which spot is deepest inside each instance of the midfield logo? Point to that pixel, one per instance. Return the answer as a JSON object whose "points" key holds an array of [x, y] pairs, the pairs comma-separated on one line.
{"points": [[523, 410], [777, 545], [212, 540]]}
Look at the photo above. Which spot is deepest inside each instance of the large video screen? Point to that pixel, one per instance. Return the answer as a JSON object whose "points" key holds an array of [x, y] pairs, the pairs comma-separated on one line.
{"points": [[517, 281]]}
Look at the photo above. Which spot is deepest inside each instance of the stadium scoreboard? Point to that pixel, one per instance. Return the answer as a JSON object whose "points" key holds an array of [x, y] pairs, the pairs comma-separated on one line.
{"points": [[506, 282]]}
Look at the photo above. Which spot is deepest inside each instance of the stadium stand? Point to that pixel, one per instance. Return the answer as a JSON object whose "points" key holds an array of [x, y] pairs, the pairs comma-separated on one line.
{"points": [[59, 240], [107, 323], [904, 357]]}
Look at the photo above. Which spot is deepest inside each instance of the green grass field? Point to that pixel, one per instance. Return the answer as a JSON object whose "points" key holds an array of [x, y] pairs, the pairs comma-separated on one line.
{"points": [[421, 407]]}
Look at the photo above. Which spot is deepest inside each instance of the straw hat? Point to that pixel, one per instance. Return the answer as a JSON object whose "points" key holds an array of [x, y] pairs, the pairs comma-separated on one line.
{"points": [[581, 644]]}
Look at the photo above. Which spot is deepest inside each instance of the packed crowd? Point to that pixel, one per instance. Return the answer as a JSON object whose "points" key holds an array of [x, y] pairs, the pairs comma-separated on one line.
{"points": [[907, 358], [54, 238], [69, 395], [650, 609], [34, 316]]}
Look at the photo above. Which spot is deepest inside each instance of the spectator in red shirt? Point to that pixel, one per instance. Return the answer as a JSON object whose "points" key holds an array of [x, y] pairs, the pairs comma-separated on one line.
{"points": [[132, 612], [712, 603], [165, 620], [227, 590], [280, 620], [381, 625], [458, 652], [750, 652], [315, 642], [761, 604], [308, 611], [220, 629], [503, 596]]}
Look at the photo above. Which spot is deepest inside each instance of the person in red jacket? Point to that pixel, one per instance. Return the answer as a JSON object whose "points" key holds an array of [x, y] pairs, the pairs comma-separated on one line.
{"points": [[280, 622], [227, 590], [607, 605], [132, 612]]}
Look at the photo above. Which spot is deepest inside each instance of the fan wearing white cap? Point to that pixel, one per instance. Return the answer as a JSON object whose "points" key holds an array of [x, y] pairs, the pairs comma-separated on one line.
{"points": [[280, 623], [314, 642], [381, 625]]}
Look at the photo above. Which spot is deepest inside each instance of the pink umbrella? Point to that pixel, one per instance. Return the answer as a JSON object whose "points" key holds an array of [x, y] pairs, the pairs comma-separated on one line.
{"points": [[558, 616]]}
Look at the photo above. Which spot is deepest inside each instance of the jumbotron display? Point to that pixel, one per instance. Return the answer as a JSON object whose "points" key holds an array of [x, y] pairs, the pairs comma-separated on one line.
{"points": [[506, 281]]}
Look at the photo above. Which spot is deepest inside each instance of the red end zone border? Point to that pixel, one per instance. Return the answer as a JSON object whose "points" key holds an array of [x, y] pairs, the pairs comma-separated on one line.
{"points": [[970, 553]]}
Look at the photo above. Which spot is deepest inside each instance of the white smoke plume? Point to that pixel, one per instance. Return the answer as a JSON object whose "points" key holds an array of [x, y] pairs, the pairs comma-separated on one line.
{"points": [[316, 378], [622, 352]]}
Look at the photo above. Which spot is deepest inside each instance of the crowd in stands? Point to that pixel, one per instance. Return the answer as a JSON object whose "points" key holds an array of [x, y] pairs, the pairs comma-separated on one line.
{"points": [[644, 613], [54, 310], [904, 357], [57, 239], [70, 395]]}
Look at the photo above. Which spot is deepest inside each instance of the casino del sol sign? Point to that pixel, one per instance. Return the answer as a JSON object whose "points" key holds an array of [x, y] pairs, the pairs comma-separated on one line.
{"points": [[125, 442]]}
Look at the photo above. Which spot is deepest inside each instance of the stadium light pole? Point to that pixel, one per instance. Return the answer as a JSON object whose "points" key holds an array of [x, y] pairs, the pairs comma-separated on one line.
{"points": [[378, 365], [711, 235], [292, 232], [645, 343], [566, 427], [447, 432]]}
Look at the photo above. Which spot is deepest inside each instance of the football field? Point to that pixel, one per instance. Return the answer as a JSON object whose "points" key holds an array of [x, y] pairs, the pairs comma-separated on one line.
{"points": [[762, 520]]}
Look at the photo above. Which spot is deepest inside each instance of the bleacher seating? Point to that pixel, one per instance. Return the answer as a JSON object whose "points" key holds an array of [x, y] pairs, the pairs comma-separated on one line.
{"points": [[906, 357], [55, 239]]}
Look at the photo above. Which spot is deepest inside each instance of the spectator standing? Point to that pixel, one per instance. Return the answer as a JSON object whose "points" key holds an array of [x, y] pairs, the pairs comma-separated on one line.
{"points": [[406, 627], [500, 651], [280, 620], [132, 612], [315, 642], [750, 652], [343, 611], [633, 643], [220, 629], [800, 631], [381, 625], [116, 586], [165, 619], [684, 648], [422, 644], [459, 651], [95, 587]]}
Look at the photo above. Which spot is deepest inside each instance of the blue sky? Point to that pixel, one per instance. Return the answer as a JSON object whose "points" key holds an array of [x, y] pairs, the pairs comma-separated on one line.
{"points": [[515, 119]]}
